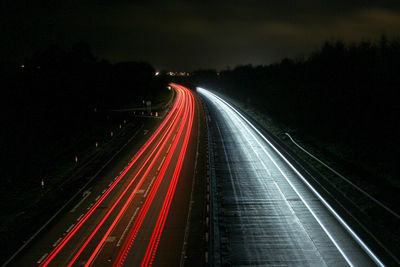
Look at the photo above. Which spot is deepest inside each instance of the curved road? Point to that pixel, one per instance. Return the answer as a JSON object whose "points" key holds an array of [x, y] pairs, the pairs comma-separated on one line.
{"points": [[263, 211]]}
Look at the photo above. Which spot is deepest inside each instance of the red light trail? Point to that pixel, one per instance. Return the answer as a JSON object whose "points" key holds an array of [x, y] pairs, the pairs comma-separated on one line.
{"points": [[88, 238], [152, 247], [129, 241], [122, 211]]}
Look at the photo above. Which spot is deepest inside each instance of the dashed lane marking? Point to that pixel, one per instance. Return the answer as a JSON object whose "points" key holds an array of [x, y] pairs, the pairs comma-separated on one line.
{"points": [[127, 227], [80, 217], [56, 243], [42, 258], [69, 229]]}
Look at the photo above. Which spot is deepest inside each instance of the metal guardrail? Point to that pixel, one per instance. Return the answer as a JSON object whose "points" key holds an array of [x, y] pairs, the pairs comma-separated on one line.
{"points": [[397, 216]]}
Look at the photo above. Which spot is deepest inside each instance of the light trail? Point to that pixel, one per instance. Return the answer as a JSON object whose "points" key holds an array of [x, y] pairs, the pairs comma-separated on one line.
{"points": [[157, 149], [248, 126], [128, 201], [168, 142], [143, 149], [152, 247], [135, 229]]}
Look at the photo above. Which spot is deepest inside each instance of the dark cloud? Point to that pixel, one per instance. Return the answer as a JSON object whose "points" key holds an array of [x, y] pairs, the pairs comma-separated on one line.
{"points": [[193, 34]]}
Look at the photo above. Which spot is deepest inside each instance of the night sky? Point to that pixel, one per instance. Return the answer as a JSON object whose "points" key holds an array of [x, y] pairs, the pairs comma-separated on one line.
{"points": [[187, 35]]}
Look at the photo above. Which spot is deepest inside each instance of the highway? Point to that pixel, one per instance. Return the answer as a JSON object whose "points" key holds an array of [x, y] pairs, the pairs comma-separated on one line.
{"points": [[139, 218], [263, 211]]}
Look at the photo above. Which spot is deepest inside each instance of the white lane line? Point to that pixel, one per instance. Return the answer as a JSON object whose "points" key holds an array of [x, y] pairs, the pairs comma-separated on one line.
{"points": [[236, 195], [140, 191], [80, 217], [159, 167], [148, 188], [85, 195], [110, 184], [42, 258], [173, 138], [189, 214], [102, 192], [97, 198], [127, 227], [169, 147], [69, 229], [56, 243]]}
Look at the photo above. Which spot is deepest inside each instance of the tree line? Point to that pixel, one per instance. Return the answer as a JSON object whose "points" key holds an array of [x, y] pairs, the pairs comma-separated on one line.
{"points": [[342, 93]]}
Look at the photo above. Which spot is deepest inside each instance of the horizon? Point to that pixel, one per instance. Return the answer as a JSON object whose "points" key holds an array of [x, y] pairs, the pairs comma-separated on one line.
{"points": [[192, 35]]}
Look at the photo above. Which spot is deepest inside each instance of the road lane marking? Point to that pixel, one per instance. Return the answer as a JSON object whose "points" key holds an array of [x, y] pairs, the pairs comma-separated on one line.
{"points": [[187, 227], [141, 191], [148, 188], [56, 243], [159, 167], [169, 147], [127, 227], [111, 239], [69, 229], [42, 258], [85, 195], [80, 217]]}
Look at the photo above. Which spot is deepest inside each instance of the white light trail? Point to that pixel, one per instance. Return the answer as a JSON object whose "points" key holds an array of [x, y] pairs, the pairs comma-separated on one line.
{"points": [[246, 123]]}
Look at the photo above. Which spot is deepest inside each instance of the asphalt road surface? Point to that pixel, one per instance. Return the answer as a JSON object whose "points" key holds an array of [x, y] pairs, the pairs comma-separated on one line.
{"points": [[139, 218], [263, 211]]}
